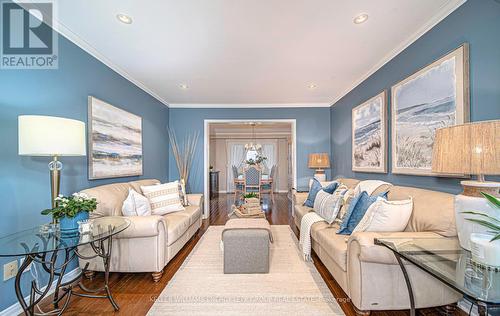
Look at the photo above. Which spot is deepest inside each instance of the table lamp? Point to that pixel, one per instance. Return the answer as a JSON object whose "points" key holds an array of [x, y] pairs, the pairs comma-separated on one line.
{"points": [[53, 137], [320, 162], [469, 149]]}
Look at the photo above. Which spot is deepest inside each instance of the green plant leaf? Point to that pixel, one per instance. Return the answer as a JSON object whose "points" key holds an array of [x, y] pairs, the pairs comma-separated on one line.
{"points": [[497, 237], [482, 214], [493, 200], [484, 223]]}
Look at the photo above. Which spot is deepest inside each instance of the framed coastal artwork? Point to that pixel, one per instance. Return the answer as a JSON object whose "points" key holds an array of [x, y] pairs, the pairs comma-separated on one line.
{"points": [[434, 97], [115, 141], [369, 135]]}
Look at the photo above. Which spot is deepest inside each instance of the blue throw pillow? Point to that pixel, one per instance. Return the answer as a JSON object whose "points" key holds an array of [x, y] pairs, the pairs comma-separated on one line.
{"points": [[331, 187], [357, 210], [315, 188]]}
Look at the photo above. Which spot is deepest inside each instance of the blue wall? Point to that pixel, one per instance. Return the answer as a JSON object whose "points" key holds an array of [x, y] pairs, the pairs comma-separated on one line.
{"points": [[24, 185], [476, 22], [313, 135]]}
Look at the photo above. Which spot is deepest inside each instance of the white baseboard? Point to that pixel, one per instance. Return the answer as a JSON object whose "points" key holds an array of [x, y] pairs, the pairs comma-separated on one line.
{"points": [[16, 308]]}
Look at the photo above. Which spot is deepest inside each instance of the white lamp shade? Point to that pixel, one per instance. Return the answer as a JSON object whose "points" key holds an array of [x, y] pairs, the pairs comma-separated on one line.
{"points": [[51, 136]]}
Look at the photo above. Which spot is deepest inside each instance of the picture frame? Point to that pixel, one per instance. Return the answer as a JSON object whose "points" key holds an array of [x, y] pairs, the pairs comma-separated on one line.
{"points": [[115, 141], [435, 96], [369, 135]]}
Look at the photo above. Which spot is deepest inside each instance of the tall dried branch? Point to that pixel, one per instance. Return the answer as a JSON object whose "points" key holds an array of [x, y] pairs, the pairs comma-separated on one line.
{"points": [[183, 155]]}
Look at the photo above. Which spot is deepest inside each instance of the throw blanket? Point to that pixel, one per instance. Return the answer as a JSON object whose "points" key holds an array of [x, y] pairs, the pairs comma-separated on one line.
{"points": [[305, 233]]}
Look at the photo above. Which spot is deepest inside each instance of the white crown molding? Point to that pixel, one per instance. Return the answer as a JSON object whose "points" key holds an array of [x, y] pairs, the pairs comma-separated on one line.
{"points": [[246, 105], [441, 14], [16, 309]]}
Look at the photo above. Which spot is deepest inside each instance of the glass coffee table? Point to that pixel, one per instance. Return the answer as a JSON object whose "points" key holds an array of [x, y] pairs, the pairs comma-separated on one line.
{"points": [[53, 251], [444, 259]]}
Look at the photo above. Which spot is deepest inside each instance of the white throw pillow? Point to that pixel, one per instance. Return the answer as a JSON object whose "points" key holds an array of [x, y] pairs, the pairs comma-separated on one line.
{"points": [[328, 205], [136, 205], [164, 198], [369, 186], [386, 216]]}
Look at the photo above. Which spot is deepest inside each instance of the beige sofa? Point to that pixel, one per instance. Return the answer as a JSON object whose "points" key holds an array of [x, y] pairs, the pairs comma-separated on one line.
{"points": [[370, 274], [150, 242]]}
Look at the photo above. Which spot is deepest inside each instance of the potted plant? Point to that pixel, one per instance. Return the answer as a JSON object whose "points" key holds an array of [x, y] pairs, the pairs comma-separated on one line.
{"points": [[485, 247], [70, 210]]}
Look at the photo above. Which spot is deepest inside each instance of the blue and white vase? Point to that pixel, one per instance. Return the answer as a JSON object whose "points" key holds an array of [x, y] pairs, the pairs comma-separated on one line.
{"points": [[70, 224]]}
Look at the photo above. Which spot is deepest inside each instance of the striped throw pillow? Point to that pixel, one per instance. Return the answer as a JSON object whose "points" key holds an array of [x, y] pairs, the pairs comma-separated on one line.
{"points": [[164, 198], [328, 205]]}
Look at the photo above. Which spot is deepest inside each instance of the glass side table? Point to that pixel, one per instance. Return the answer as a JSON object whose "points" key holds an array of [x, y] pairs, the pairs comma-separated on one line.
{"points": [[54, 251], [444, 259]]}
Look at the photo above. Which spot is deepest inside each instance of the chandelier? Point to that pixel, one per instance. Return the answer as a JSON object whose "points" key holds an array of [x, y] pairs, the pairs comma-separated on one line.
{"points": [[253, 144]]}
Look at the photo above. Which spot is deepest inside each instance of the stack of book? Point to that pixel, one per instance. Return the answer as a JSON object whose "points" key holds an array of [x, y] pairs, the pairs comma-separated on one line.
{"points": [[250, 209]]}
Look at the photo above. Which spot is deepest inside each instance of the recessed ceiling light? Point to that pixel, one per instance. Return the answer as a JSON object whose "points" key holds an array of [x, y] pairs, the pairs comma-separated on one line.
{"points": [[312, 86], [183, 86], [360, 18], [124, 18]]}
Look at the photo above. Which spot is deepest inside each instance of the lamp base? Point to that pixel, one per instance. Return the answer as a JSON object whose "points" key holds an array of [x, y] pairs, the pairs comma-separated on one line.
{"points": [[320, 175], [472, 200], [474, 188]]}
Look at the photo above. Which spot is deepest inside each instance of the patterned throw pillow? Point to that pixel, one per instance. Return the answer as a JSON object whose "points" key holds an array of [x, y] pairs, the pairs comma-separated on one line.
{"points": [[348, 197], [356, 211], [315, 188], [183, 194], [164, 198], [328, 205]]}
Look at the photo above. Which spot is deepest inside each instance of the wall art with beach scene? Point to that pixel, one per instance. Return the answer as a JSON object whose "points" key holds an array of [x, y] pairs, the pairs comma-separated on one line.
{"points": [[369, 135], [115, 141], [434, 97]]}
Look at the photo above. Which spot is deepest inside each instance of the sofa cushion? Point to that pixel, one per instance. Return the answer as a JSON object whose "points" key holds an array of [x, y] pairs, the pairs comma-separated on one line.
{"points": [[193, 212], [334, 244], [109, 198], [177, 224], [301, 210], [433, 211]]}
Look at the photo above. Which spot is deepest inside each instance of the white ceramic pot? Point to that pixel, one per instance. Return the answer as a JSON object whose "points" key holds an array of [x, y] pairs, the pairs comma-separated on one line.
{"points": [[464, 227], [485, 251]]}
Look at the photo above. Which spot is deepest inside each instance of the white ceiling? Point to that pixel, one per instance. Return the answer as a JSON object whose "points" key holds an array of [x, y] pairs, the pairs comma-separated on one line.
{"points": [[247, 53]]}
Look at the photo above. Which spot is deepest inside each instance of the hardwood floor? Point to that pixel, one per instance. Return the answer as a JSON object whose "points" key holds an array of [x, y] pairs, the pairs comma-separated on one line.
{"points": [[136, 292]]}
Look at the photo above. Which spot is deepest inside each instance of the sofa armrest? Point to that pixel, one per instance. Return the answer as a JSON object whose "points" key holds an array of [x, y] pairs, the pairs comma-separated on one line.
{"points": [[299, 197], [195, 199], [144, 226], [364, 248]]}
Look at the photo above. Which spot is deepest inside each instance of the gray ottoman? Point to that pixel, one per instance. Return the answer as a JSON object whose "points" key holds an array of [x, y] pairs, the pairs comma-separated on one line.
{"points": [[246, 250]]}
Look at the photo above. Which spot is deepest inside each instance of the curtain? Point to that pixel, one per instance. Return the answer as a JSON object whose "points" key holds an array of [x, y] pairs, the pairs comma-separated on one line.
{"points": [[236, 153], [269, 151]]}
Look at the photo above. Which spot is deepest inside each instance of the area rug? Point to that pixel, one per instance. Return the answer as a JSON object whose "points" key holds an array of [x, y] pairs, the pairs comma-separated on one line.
{"points": [[292, 287]]}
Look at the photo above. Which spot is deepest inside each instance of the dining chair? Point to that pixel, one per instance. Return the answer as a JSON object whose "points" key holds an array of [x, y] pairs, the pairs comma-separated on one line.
{"points": [[252, 183], [238, 183], [268, 186]]}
